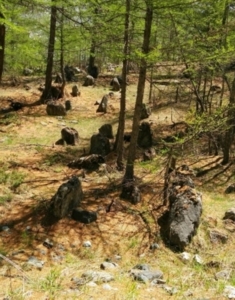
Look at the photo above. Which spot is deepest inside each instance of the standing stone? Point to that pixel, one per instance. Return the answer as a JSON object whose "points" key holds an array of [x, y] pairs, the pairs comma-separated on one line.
{"points": [[185, 208], [106, 130], [115, 84], [145, 135], [146, 112], [100, 145], [89, 81], [58, 78], [75, 91], [68, 197], [103, 104], [70, 136], [68, 105], [55, 109]]}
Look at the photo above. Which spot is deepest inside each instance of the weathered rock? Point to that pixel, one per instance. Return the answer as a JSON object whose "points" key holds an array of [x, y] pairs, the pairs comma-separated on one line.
{"points": [[230, 214], [106, 130], [98, 276], [89, 81], [185, 208], [130, 191], [149, 154], [90, 162], [224, 274], [68, 197], [70, 136], [230, 189], [68, 105], [27, 72], [69, 73], [115, 84], [145, 139], [218, 237], [58, 78], [83, 216], [103, 104], [100, 145], [146, 276], [75, 91], [143, 267], [33, 261], [229, 291], [146, 112], [93, 71], [185, 256], [108, 265], [55, 109], [87, 244]]}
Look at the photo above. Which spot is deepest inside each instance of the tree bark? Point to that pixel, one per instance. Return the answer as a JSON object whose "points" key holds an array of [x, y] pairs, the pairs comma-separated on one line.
{"points": [[229, 133], [50, 55], [121, 125], [128, 181], [2, 46]]}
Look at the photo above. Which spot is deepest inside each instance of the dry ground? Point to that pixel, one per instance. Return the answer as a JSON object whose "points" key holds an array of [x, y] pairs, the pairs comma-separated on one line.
{"points": [[32, 169]]}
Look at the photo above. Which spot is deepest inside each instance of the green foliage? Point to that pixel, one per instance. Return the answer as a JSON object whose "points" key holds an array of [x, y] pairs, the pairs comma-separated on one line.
{"points": [[51, 284], [13, 179], [5, 198]]}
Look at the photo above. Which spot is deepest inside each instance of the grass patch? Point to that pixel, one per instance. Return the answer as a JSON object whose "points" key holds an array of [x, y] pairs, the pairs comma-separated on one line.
{"points": [[13, 179]]}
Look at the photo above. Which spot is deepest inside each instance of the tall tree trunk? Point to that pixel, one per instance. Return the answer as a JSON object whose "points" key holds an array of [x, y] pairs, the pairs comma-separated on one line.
{"points": [[91, 62], [128, 187], [62, 51], [229, 134], [50, 55], [2, 46], [121, 125]]}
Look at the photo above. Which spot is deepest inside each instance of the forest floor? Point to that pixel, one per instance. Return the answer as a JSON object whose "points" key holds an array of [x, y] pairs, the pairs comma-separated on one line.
{"points": [[32, 168]]}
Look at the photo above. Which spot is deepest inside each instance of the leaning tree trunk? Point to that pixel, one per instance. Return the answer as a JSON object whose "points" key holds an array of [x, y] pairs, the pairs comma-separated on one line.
{"points": [[128, 187], [2, 46], [50, 55], [121, 125]]}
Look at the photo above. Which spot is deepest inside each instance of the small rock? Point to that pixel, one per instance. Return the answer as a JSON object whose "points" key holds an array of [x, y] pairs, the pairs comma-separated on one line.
{"points": [[154, 246], [170, 290], [157, 281], [43, 123], [91, 284], [185, 256], [98, 276], [198, 259], [224, 274], [48, 244], [146, 276], [5, 228], [87, 244], [108, 265], [35, 262], [117, 257], [229, 291], [143, 267]]}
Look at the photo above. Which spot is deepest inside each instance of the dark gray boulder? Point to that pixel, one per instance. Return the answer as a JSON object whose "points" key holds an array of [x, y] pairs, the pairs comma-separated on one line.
{"points": [[230, 214], [84, 216], [68, 197], [89, 81], [145, 136], [103, 106], [90, 162], [107, 131], [99, 145], [115, 84], [70, 136], [185, 208], [55, 108], [230, 189], [75, 91], [146, 112]]}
